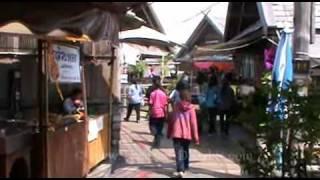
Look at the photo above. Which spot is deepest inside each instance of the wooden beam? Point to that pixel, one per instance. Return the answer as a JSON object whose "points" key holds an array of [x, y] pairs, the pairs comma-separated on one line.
{"points": [[302, 14], [312, 24], [43, 109], [241, 16], [148, 17]]}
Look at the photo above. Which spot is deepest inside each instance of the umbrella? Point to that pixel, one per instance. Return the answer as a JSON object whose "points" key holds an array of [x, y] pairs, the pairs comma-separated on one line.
{"points": [[282, 74], [283, 67]]}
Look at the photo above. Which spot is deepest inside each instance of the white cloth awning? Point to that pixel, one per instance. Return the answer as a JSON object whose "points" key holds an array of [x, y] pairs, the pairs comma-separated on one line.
{"points": [[144, 33]]}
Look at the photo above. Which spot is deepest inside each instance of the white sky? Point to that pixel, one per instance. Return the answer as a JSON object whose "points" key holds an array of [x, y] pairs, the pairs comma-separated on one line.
{"points": [[179, 18]]}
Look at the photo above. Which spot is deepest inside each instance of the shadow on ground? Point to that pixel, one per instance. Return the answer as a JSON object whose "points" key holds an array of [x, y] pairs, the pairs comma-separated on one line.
{"points": [[167, 169]]}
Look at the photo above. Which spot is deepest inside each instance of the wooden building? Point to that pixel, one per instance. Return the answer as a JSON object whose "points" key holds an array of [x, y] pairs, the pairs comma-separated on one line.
{"points": [[208, 32], [37, 139], [251, 28], [149, 46]]}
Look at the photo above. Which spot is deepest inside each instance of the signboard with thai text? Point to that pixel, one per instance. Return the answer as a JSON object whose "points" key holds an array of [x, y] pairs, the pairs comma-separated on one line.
{"points": [[64, 64]]}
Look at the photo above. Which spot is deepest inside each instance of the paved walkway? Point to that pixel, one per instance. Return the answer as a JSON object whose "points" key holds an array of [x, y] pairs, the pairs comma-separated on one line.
{"points": [[215, 157]]}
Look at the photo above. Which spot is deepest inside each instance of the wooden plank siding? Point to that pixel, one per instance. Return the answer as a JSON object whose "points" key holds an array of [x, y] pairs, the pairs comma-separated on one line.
{"points": [[98, 89], [100, 148], [66, 151]]}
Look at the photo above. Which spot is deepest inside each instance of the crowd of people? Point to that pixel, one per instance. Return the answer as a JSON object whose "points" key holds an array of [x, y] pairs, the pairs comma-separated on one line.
{"points": [[215, 98]]}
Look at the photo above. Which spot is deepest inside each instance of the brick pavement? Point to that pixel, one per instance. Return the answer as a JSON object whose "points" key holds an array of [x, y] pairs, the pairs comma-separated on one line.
{"points": [[215, 157]]}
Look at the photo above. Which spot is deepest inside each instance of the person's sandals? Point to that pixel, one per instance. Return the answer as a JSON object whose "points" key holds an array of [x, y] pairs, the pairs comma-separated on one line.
{"points": [[178, 174], [187, 172]]}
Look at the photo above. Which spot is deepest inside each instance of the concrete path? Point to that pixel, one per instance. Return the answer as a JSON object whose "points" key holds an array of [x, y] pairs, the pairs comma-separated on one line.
{"points": [[215, 157]]}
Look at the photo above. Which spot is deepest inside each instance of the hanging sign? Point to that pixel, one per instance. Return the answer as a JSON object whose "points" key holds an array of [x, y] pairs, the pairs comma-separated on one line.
{"points": [[64, 64]]}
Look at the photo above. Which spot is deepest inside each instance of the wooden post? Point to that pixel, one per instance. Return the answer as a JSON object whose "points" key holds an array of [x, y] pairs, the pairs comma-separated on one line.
{"points": [[312, 24], [110, 137], [43, 106], [85, 101], [302, 21], [162, 70]]}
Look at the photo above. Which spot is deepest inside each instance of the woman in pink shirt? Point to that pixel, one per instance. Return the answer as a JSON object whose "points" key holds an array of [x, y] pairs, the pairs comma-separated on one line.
{"points": [[158, 111], [182, 129]]}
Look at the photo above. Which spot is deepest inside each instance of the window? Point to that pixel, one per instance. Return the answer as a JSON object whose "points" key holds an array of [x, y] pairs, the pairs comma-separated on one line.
{"points": [[246, 66]]}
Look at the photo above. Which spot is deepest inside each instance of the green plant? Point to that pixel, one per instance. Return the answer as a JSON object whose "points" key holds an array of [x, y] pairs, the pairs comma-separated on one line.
{"points": [[138, 70], [300, 132], [166, 60]]}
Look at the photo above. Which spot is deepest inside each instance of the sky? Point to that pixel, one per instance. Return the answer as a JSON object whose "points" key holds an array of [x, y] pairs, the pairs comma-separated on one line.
{"points": [[179, 19]]}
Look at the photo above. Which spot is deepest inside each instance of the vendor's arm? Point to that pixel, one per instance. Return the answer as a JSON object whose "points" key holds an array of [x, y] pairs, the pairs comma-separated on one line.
{"points": [[69, 107]]}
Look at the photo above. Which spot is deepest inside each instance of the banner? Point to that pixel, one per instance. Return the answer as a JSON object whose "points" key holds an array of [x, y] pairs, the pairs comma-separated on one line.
{"points": [[64, 64]]}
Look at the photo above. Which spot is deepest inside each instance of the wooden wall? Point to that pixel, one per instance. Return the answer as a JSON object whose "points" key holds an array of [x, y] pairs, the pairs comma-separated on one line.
{"points": [[98, 89], [100, 148], [67, 154]]}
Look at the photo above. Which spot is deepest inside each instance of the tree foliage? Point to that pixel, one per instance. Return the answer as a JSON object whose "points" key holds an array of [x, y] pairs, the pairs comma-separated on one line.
{"points": [[138, 70], [300, 132]]}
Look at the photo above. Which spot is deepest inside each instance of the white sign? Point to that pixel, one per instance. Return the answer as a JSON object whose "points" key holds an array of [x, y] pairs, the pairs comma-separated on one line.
{"points": [[68, 62], [93, 130], [95, 126], [100, 123], [124, 78]]}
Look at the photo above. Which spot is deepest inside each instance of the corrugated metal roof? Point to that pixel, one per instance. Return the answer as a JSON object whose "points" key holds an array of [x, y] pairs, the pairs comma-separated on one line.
{"points": [[280, 14]]}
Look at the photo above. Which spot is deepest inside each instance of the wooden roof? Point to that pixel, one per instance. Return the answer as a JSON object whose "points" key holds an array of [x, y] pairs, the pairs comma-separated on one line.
{"points": [[97, 20], [280, 14], [206, 32], [271, 15]]}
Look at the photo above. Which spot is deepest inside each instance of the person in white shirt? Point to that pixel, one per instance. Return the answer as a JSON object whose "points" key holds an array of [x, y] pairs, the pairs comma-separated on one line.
{"points": [[135, 96]]}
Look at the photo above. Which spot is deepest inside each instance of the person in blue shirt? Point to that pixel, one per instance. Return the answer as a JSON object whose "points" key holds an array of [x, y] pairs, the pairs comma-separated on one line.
{"points": [[135, 96], [211, 102]]}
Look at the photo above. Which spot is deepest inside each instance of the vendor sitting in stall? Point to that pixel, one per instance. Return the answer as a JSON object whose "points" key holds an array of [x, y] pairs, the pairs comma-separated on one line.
{"points": [[74, 104]]}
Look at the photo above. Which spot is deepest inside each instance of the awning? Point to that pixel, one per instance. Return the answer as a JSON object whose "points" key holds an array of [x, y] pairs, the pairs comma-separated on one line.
{"points": [[221, 66], [145, 34], [95, 20], [249, 37], [147, 50]]}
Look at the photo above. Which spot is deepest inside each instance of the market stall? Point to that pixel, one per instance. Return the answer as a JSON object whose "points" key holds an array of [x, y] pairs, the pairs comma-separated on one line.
{"points": [[42, 62]]}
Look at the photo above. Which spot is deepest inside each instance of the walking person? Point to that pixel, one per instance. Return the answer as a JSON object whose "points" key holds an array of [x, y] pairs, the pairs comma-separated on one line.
{"points": [[212, 103], [225, 103], [182, 129], [202, 81], [157, 111], [174, 96], [135, 96]]}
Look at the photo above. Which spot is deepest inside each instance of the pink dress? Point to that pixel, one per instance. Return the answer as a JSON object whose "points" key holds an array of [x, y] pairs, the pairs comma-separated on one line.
{"points": [[158, 101]]}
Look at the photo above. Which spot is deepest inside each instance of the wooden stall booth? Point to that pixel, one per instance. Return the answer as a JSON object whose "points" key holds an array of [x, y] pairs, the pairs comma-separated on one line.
{"points": [[74, 146], [37, 138]]}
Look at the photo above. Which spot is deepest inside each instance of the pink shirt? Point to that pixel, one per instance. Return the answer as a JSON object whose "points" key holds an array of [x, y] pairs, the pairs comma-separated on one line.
{"points": [[158, 101], [183, 123]]}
